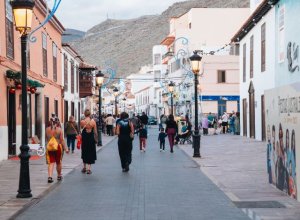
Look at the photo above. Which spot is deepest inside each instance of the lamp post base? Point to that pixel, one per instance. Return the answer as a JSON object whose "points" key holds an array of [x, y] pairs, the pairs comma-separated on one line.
{"points": [[24, 180], [196, 144]]}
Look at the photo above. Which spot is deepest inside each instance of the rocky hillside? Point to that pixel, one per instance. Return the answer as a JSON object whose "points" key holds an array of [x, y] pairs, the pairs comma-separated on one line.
{"points": [[128, 43]]}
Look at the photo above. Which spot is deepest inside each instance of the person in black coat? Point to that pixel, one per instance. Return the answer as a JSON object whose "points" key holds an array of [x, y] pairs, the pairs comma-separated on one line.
{"points": [[162, 139]]}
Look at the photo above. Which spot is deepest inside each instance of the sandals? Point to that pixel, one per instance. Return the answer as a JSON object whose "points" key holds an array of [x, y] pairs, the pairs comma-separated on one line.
{"points": [[88, 172], [83, 170], [59, 178], [50, 180]]}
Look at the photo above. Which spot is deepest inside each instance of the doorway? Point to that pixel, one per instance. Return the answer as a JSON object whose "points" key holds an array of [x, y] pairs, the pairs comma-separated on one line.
{"points": [[11, 115], [221, 107], [251, 92], [263, 119], [38, 116], [245, 118]]}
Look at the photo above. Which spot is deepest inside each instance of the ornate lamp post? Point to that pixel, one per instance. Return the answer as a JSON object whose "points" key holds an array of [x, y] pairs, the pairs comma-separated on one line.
{"points": [[195, 64], [99, 83], [22, 11], [116, 93], [171, 88]]}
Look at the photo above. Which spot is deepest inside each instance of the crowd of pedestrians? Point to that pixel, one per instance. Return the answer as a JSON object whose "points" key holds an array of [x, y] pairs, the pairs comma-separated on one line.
{"points": [[176, 129]]}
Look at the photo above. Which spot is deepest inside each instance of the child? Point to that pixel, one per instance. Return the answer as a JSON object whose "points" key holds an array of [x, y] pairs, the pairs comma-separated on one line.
{"points": [[161, 138], [143, 137]]}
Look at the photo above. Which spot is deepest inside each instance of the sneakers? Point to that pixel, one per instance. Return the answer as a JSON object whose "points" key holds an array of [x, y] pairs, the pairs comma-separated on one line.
{"points": [[160, 150]]}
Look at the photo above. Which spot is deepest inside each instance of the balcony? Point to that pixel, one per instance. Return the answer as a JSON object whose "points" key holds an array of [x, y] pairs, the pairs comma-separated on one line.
{"points": [[166, 57]]}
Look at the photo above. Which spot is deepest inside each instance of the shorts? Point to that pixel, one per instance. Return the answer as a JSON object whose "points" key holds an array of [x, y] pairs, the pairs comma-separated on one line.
{"points": [[54, 156], [224, 123]]}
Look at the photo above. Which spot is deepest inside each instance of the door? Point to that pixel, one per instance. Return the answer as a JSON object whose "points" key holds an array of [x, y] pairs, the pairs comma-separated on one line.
{"points": [[38, 116], [66, 113], [252, 110], [221, 107], [11, 114], [46, 110], [245, 117], [263, 119]]}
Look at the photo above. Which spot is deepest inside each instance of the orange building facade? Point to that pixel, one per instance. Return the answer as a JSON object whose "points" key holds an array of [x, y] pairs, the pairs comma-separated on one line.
{"points": [[45, 95]]}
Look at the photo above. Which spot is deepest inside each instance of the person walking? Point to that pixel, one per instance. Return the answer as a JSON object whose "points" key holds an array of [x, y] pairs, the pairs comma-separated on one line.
{"points": [[88, 146], [144, 119], [162, 139], [135, 122], [109, 121], [54, 132], [71, 130], [205, 125], [125, 132], [171, 130], [211, 120], [224, 122], [143, 138]]}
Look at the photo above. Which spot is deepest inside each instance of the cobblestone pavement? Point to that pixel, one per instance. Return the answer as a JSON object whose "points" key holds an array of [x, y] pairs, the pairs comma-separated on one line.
{"points": [[237, 165], [159, 185], [9, 181]]}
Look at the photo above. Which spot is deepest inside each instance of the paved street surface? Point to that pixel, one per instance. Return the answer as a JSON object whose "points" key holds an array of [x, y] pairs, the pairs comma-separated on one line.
{"points": [[9, 181], [237, 165], [159, 185]]}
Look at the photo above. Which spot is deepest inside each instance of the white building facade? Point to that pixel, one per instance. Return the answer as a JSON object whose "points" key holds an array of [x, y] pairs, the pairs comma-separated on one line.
{"points": [[70, 68], [257, 72]]}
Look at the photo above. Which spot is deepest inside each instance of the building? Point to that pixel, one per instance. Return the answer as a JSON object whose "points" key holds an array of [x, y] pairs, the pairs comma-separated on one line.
{"points": [[219, 84], [270, 87], [44, 74], [70, 66], [257, 69]]}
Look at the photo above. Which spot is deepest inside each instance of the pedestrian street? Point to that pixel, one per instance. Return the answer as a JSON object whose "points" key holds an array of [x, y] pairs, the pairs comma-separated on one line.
{"points": [[159, 185]]}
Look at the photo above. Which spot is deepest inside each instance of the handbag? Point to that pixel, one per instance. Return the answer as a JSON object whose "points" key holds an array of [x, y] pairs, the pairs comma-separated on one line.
{"points": [[79, 141], [52, 144]]}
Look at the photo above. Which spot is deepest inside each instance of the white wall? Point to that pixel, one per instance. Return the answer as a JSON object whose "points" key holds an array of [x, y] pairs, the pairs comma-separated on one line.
{"points": [[261, 80]]}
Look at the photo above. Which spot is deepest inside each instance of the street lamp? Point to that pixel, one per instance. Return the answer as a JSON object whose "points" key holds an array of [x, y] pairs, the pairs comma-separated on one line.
{"points": [[195, 64], [22, 11], [171, 88], [99, 83], [116, 93]]}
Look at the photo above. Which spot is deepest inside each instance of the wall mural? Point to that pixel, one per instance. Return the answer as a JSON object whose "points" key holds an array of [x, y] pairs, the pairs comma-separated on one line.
{"points": [[283, 120], [292, 56]]}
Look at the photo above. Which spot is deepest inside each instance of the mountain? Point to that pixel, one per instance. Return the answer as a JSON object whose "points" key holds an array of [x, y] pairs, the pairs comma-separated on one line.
{"points": [[72, 35], [128, 43]]}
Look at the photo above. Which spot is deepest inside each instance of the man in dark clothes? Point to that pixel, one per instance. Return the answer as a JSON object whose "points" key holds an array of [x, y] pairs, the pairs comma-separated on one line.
{"points": [[144, 118]]}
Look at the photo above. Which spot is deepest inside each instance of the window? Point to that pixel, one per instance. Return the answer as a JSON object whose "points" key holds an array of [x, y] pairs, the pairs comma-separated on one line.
{"points": [[221, 76], [244, 62], [44, 46], [72, 109], [251, 56], [156, 75], [281, 40], [72, 76], [263, 47], [9, 31], [175, 66], [157, 59], [54, 52], [28, 57], [77, 78], [65, 72]]}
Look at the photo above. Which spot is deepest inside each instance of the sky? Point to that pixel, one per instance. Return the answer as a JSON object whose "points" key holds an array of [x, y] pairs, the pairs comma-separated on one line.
{"points": [[84, 14]]}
